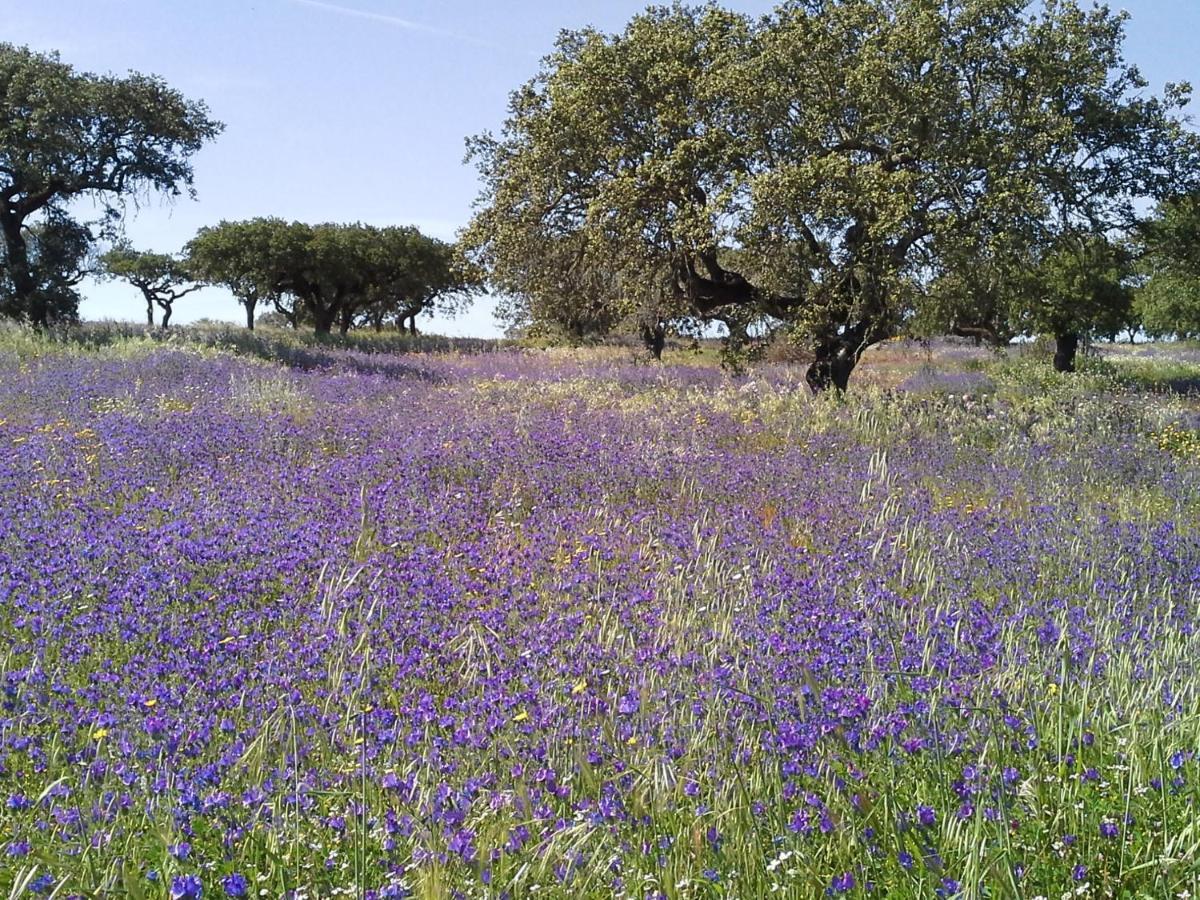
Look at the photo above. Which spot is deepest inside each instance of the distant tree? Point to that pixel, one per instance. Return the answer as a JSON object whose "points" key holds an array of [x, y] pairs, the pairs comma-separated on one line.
{"points": [[1169, 299], [1082, 286], [67, 134], [819, 167], [411, 274], [236, 255], [58, 258], [161, 278], [311, 272]]}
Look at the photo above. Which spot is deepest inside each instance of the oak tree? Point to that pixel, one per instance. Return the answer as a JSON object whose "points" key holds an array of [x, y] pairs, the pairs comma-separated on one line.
{"points": [[66, 134]]}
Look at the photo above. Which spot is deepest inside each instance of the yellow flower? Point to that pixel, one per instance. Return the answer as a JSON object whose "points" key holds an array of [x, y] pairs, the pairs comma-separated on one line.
{"points": [[1052, 689], [580, 687], [522, 716], [632, 742], [150, 704], [99, 733]]}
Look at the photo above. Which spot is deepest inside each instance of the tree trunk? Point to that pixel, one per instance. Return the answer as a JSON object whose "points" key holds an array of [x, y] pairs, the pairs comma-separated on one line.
{"points": [[655, 338], [166, 316], [412, 325], [831, 370], [323, 317], [149, 313], [837, 355], [1066, 345], [24, 287], [249, 304]]}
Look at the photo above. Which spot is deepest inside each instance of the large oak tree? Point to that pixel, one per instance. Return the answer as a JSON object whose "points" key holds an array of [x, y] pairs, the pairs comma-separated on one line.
{"points": [[821, 167]]}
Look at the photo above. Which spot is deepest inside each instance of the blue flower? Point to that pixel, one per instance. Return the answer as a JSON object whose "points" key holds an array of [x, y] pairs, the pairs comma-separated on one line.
{"points": [[841, 883], [235, 885], [186, 887]]}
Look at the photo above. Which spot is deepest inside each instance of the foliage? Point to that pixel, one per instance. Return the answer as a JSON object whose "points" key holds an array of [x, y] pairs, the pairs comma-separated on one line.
{"points": [[1081, 285], [66, 134], [58, 257], [334, 275], [1169, 301], [703, 165], [232, 254], [411, 274]]}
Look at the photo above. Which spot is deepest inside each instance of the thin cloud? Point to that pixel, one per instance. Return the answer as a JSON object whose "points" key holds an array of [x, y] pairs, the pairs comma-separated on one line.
{"points": [[394, 21]]}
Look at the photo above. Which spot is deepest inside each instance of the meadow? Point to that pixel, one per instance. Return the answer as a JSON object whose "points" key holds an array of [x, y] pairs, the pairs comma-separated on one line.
{"points": [[512, 624]]}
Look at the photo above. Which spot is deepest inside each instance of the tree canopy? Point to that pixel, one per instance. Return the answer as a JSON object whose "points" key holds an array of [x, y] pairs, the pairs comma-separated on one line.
{"points": [[235, 255], [330, 274], [161, 278], [1169, 300], [821, 167], [66, 134]]}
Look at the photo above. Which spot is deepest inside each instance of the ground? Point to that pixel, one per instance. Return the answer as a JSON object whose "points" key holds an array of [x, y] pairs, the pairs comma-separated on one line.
{"points": [[312, 619]]}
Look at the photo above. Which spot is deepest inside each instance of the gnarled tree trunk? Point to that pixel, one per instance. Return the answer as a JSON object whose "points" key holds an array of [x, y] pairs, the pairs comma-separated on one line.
{"points": [[655, 338], [24, 286], [1066, 345], [837, 355]]}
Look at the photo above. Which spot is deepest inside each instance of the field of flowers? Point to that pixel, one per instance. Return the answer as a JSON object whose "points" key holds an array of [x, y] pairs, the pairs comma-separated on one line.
{"points": [[558, 625]]}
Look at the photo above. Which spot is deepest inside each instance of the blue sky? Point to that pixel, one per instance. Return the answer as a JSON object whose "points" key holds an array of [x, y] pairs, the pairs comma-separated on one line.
{"points": [[357, 110]]}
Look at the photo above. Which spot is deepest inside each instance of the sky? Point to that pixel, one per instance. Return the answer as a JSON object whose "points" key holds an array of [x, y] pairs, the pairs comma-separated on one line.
{"points": [[358, 110]]}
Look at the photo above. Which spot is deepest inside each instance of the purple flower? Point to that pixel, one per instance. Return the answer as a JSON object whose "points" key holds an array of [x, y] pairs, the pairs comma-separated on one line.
{"points": [[926, 817], [19, 802], [186, 887], [1109, 829], [841, 883], [236, 885], [1079, 873]]}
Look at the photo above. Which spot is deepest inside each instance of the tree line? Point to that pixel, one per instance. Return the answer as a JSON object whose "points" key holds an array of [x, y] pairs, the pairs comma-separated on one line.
{"points": [[837, 172], [66, 135], [324, 276]]}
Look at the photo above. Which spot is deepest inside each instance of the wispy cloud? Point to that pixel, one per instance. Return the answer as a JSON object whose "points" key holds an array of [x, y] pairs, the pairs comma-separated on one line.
{"points": [[394, 21]]}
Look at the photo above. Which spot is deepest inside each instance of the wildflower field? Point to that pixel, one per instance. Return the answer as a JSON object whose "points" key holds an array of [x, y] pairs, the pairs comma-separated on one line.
{"points": [[524, 624]]}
